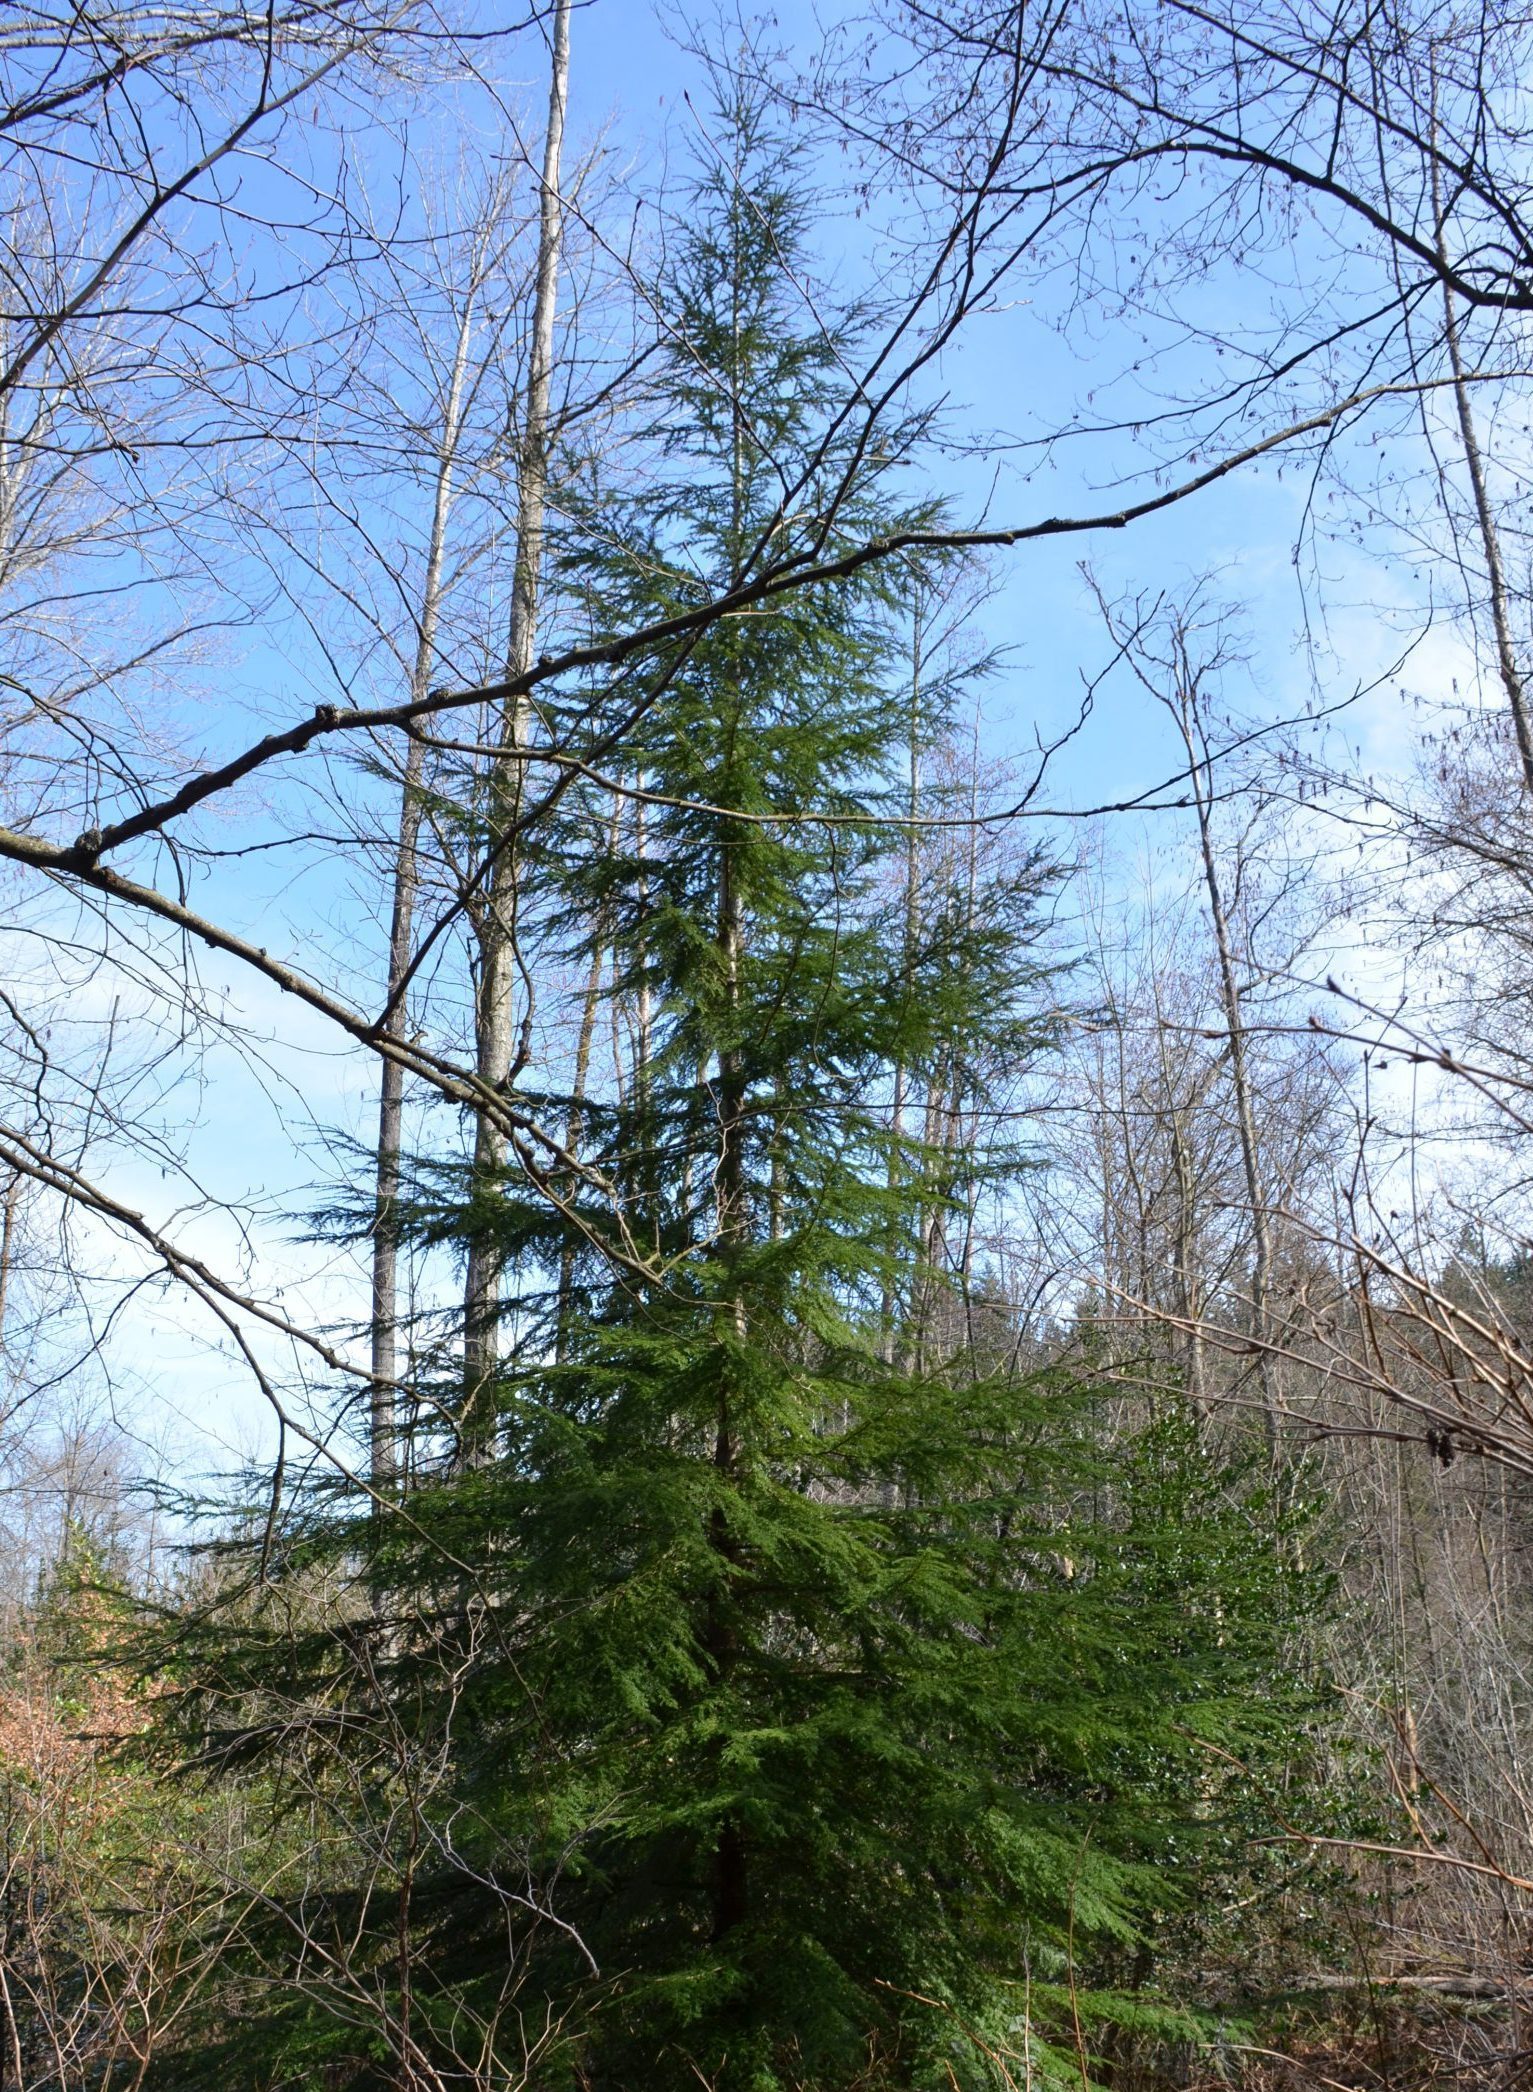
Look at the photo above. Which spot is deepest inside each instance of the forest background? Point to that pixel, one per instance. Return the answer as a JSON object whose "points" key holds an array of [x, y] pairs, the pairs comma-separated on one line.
{"points": [[764, 1240]]}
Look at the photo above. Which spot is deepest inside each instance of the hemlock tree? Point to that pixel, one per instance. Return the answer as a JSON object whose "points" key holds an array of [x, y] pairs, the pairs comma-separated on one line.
{"points": [[775, 1700]]}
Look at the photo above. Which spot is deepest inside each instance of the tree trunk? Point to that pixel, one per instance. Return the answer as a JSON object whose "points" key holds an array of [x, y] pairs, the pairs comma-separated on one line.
{"points": [[1490, 537], [8, 1214], [1240, 1073], [384, 1417], [1490, 542], [910, 931], [495, 990]]}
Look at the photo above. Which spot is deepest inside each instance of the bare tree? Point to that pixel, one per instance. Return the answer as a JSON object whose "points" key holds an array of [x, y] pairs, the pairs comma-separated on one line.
{"points": [[1176, 681], [472, 347], [128, 833], [497, 1058]]}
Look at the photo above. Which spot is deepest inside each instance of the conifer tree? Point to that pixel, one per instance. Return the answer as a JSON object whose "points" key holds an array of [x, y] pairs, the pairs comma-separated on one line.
{"points": [[802, 1708]]}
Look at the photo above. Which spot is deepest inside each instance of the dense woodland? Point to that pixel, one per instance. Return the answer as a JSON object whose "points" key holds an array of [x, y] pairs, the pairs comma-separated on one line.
{"points": [[766, 1106]]}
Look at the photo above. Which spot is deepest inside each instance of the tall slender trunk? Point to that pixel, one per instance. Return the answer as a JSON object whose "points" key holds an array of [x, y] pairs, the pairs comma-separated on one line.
{"points": [[495, 988], [1184, 711], [8, 1212], [1490, 543], [384, 1416], [1189, 1301], [574, 1133], [931, 1242], [1490, 538], [909, 931], [1189, 1298], [962, 1137], [646, 1188]]}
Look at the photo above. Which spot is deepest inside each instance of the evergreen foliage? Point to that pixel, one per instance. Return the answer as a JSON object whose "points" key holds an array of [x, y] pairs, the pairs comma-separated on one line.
{"points": [[777, 1688]]}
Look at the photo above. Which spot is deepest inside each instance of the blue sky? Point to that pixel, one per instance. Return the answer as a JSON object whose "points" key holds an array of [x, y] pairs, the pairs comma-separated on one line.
{"points": [[261, 1126]]}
